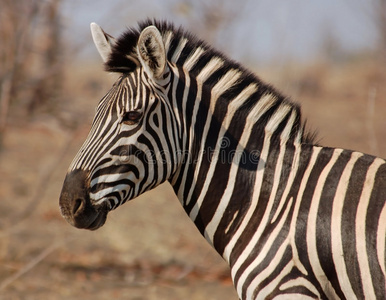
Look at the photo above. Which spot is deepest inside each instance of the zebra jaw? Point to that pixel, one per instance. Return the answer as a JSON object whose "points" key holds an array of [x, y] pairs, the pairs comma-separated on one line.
{"points": [[75, 204]]}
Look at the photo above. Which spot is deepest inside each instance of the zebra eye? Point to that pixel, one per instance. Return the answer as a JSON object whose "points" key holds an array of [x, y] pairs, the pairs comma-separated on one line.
{"points": [[131, 117]]}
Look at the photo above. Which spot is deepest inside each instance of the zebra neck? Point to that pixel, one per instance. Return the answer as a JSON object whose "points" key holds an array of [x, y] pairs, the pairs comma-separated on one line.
{"points": [[228, 121], [218, 195]]}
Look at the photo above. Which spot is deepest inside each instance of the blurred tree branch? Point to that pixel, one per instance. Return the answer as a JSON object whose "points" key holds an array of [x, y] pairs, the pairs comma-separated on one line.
{"points": [[209, 17], [381, 24], [376, 14], [29, 55], [40, 187]]}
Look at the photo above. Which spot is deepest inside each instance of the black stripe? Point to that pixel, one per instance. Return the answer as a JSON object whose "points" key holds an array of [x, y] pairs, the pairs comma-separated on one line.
{"points": [[265, 192], [323, 221], [195, 151], [377, 202], [350, 206], [187, 158], [287, 256], [322, 160]]}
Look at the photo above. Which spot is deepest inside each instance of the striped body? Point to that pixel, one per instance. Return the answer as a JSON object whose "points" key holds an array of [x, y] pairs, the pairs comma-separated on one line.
{"points": [[292, 219]]}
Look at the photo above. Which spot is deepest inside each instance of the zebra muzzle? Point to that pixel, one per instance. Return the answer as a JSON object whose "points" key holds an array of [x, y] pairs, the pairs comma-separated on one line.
{"points": [[75, 204]]}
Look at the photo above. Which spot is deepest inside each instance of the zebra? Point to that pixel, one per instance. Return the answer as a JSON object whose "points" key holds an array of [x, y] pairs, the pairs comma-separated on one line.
{"points": [[293, 219]]}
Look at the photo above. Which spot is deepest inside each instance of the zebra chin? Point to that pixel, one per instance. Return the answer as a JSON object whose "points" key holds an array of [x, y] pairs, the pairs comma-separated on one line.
{"points": [[75, 204]]}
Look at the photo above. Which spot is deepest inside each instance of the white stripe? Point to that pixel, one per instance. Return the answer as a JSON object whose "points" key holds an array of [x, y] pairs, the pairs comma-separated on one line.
{"points": [[177, 52], [258, 110], [293, 296], [192, 59], [228, 80], [184, 100], [262, 106], [360, 229], [99, 197], [277, 118], [214, 64], [109, 178], [167, 39], [177, 98], [292, 232], [311, 228], [223, 203], [262, 256], [258, 183], [381, 239], [194, 118], [279, 165], [286, 134], [268, 289], [336, 228], [291, 178], [231, 222], [300, 281], [222, 85]]}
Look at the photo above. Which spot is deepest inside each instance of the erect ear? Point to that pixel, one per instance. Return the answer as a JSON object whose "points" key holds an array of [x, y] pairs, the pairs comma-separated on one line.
{"points": [[102, 41], [151, 52]]}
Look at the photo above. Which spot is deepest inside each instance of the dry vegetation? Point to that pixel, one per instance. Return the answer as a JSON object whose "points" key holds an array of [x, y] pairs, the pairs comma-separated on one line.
{"points": [[148, 249]]}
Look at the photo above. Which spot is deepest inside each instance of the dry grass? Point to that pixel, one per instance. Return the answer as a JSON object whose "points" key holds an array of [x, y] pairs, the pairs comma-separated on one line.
{"points": [[148, 249]]}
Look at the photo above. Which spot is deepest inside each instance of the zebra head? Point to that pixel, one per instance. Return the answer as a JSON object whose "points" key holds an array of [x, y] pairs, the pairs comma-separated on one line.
{"points": [[122, 157]]}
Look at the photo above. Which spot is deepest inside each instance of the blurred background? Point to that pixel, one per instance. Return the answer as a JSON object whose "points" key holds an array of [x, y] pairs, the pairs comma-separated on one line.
{"points": [[329, 56]]}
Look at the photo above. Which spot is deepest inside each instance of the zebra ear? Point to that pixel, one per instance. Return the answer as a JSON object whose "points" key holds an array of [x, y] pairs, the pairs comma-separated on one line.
{"points": [[102, 41], [151, 52]]}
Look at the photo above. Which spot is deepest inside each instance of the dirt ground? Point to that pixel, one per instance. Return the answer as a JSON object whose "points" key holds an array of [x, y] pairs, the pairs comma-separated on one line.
{"points": [[149, 248]]}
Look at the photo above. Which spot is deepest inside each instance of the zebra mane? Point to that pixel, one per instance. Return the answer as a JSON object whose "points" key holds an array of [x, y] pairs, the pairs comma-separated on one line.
{"points": [[124, 59]]}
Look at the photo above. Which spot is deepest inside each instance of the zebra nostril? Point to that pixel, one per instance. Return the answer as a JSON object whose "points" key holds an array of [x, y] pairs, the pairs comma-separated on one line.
{"points": [[77, 205]]}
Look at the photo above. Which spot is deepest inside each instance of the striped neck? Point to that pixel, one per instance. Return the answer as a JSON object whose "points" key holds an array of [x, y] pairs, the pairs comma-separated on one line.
{"points": [[228, 121]]}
